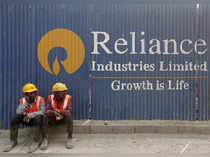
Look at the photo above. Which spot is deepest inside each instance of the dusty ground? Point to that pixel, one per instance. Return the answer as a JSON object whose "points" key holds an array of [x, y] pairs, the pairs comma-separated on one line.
{"points": [[122, 144]]}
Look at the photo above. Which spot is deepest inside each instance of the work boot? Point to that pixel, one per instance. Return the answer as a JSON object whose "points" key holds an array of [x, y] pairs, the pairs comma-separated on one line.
{"points": [[9, 147], [36, 140], [69, 144], [13, 139], [33, 147], [44, 144], [36, 134]]}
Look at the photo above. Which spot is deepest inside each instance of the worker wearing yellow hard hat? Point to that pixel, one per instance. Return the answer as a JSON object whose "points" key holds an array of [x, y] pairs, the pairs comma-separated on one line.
{"points": [[30, 112], [29, 88], [59, 110], [59, 87]]}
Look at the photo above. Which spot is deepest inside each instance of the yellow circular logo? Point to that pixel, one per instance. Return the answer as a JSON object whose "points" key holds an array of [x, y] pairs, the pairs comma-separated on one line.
{"points": [[66, 39]]}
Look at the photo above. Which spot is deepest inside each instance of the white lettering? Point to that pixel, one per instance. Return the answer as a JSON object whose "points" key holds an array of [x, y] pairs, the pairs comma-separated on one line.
{"points": [[166, 45], [200, 46], [119, 42], [133, 40], [101, 43], [181, 46], [156, 46]]}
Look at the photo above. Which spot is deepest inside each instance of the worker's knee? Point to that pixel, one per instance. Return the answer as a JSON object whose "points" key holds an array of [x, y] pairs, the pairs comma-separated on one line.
{"points": [[68, 117], [38, 120], [17, 119]]}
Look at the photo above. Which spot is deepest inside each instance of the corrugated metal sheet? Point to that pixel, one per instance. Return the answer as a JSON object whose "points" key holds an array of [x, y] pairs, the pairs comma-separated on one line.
{"points": [[158, 20], [24, 23], [1, 78], [203, 24]]}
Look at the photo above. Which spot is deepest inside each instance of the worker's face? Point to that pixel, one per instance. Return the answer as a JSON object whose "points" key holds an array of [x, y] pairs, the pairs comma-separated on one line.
{"points": [[59, 95], [30, 97]]}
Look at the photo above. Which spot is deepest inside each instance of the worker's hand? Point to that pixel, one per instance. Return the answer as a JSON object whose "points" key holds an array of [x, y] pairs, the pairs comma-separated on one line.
{"points": [[26, 119], [58, 113], [50, 113], [59, 117]]}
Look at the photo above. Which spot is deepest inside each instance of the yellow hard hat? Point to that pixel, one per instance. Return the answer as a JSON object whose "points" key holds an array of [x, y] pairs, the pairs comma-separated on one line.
{"points": [[58, 87], [29, 87]]}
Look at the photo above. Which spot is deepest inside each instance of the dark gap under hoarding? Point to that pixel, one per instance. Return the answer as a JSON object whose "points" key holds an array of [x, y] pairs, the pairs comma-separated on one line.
{"points": [[136, 59]]}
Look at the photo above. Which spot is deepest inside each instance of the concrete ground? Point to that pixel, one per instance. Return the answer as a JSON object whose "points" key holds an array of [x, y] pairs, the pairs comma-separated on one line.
{"points": [[122, 139], [123, 144]]}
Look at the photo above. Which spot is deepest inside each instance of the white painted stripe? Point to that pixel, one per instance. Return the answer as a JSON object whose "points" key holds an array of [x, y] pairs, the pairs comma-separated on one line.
{"points": [[25, 104], [86, 122], [185, 148], [52, 102], [38, 101], [24, 100], [66, 102]]}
